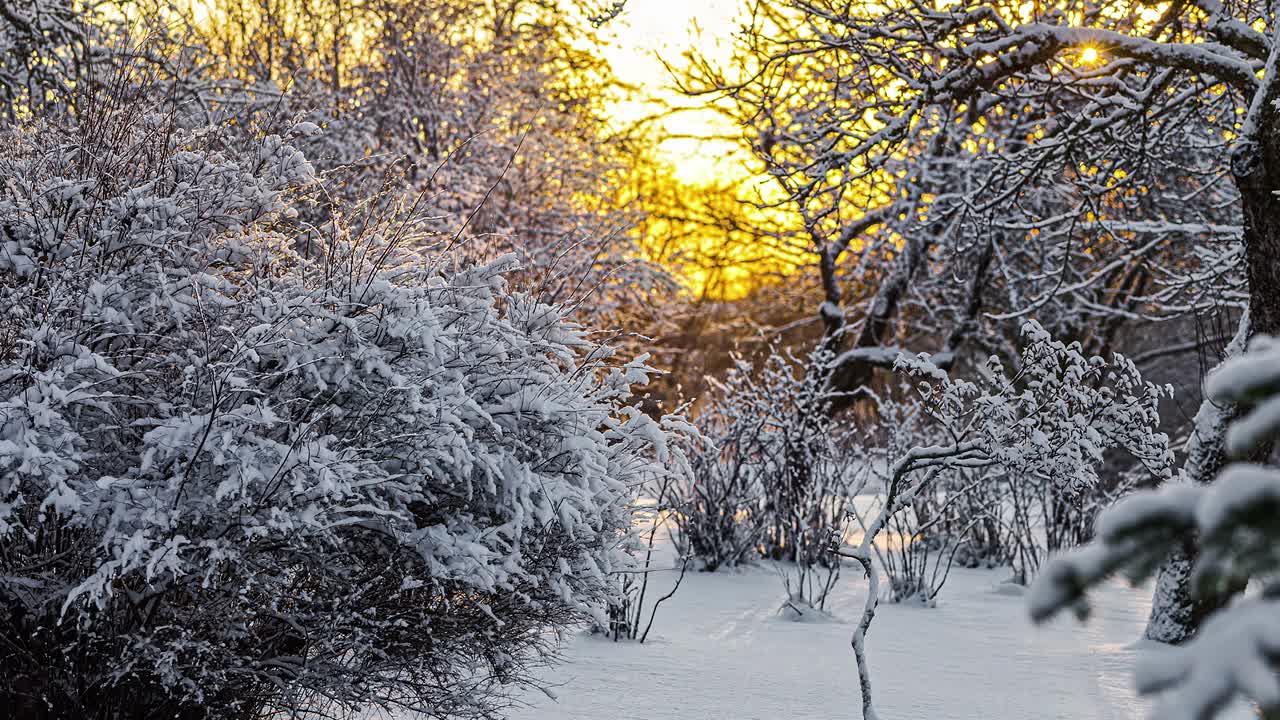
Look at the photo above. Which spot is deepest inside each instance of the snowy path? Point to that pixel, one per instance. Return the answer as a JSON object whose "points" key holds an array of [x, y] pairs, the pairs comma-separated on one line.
{"points": [[719, 651]]}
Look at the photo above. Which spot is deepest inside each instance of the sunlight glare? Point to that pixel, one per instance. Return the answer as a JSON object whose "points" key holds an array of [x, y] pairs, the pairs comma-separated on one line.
{"points": [[639, 40]]}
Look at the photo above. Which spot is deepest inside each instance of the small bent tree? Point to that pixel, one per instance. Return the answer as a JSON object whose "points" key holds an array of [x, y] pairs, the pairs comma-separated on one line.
{"points": [[251, 466], [920, 543], [1235, 652], [1053, 418]]}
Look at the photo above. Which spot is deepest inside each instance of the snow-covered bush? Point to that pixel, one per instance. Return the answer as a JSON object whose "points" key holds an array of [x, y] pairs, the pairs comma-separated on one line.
{"points": [[248, 464], [718, 507], [771, 480], [1053, 418], [1042, 431], [1234, 521]]}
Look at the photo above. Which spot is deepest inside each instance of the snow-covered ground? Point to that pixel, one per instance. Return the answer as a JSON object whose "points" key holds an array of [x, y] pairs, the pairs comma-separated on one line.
{"points": [[720, 651]]}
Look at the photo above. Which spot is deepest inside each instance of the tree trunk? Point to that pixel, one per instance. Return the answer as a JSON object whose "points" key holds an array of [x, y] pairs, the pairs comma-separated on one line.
{"points": [[1175, 614], [1255, 163], [1176, 610]]}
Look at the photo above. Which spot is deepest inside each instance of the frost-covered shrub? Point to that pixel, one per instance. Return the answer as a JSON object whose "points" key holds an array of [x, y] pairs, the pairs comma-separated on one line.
{"points": [[718, 507], [771, 479], [1053, 417], [1234, 521], [1034, 439], [248, 464], [1047, 426]]}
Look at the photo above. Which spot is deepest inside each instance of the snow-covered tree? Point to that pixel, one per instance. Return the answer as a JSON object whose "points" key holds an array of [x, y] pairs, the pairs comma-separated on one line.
{"points": [[249, 463], [951, 163], [490, 115]]}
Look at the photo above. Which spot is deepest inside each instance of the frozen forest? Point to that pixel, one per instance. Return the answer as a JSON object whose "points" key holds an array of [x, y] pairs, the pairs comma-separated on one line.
{"points": [[639, 359]]}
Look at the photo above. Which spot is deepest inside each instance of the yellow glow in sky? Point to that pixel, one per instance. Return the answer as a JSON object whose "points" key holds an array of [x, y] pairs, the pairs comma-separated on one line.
{"points": [[701, 146], [1089, 55], [649, 29]]}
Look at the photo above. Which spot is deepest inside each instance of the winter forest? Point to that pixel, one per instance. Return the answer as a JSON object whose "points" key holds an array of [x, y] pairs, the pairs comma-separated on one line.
{"points": [[620, 359]]}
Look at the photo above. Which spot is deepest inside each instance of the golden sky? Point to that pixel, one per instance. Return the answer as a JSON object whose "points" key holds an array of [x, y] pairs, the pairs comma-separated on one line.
{"points": [[649, 29]]}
